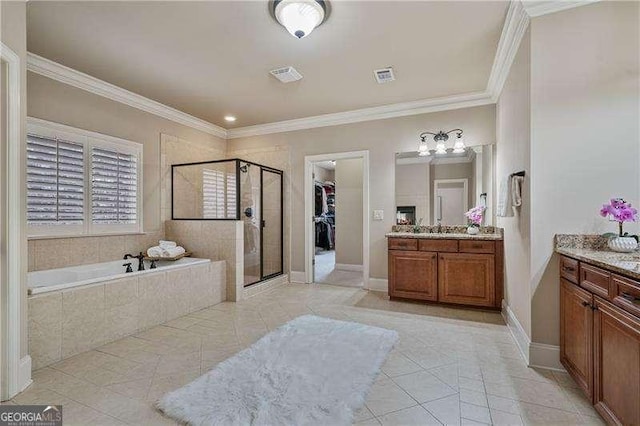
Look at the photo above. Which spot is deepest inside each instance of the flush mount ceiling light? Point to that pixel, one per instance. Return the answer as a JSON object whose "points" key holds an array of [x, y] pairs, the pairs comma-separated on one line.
{"points": [[300, 17], [230, 118], [440, 138]]}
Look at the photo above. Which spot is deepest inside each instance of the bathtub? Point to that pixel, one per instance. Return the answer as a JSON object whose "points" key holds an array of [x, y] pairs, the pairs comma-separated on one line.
{"points": [[74, 276], [77, 309]]}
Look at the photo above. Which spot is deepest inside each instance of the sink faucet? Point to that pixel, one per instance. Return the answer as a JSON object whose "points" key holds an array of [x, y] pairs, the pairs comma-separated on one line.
{"points": [[439, 227], [140, 258]]}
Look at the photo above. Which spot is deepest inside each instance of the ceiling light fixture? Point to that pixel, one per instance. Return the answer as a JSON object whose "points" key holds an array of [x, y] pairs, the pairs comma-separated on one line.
{"points": [[440, 138], [300, 17], [230, 118]]}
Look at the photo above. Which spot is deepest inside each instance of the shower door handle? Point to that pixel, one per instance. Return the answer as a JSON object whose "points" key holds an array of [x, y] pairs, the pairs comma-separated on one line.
{"points": [[263, 223]]}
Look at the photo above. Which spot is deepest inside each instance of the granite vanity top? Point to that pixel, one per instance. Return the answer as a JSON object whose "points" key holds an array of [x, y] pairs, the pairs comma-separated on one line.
{"points": [[447, 232], [444, 236], [593, 249]]}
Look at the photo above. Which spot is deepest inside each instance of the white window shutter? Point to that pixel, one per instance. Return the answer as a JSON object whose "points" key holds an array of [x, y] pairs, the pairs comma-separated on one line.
{"points": [[114, 187], [55, 182]]}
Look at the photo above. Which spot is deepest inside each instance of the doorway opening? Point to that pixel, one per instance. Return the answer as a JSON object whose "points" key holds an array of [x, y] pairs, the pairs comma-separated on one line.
{"points": [[336, 236]]}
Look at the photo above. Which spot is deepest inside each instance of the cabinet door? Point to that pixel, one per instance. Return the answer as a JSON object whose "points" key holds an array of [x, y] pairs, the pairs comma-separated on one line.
{"points": [[576, 334], [467, 279], [413, 274], [617, 364]]}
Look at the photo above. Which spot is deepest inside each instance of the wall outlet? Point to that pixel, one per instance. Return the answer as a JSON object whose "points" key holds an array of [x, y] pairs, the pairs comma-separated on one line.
{"points": [[378, 214]]}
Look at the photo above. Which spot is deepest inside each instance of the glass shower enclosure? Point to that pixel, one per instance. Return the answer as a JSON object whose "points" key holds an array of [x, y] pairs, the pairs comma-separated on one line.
{"points": [[236, 189]]}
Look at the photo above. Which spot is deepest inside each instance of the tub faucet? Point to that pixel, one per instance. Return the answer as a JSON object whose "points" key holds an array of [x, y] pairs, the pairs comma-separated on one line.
{"points": [[140, 258]]}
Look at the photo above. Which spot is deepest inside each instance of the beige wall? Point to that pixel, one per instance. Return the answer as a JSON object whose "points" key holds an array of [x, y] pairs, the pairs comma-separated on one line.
{"points": [[585, 139], [349, 211], [383, 138], [13, 32], [514, 145], [412, 189], [54, 101]]}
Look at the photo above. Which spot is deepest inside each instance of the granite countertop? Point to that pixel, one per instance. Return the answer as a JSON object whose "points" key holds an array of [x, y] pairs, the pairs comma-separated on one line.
{"points": [[624, 263], [444, 236]]}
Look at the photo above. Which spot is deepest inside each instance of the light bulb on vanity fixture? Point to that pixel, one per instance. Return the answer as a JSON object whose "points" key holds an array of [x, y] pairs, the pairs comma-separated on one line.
{"points": [[423, 149], [299, 17], [440, 138]]}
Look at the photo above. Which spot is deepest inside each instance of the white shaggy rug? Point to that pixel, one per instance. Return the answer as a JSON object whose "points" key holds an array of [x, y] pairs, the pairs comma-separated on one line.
{"points": [[310, 371]]}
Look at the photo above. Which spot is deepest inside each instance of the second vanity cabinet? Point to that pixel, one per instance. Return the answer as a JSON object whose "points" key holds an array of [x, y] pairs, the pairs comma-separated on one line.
{"points": [[600, 337], [462, 272]]}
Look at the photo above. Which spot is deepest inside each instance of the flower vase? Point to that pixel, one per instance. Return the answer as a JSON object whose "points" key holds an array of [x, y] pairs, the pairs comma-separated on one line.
{"points": [[473, 230], [622, 244]]}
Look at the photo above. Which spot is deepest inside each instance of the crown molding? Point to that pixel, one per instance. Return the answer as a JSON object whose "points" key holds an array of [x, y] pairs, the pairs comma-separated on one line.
{"points": [[514, 29], [66, 75], [366, 114], [538, 8]]}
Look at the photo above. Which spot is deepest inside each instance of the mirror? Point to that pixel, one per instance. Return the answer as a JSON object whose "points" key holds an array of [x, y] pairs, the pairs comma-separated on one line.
{"points": [[442, 187]]}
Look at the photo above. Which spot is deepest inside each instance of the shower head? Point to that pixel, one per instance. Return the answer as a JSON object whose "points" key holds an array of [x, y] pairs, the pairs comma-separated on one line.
{"points": [[245, 168]]}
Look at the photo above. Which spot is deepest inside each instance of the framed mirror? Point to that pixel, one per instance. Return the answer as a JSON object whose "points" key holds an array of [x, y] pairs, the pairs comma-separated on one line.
{"points": [[440, 188]]}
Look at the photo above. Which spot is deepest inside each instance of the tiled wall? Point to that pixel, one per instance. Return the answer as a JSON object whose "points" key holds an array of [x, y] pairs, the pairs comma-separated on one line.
{"points": [[64, 323], [62, 252], [215, 240]]}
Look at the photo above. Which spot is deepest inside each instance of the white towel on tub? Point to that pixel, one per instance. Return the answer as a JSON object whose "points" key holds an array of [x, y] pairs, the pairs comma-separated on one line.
{"points": [[172, 251], [167, 244], [154, 251]]}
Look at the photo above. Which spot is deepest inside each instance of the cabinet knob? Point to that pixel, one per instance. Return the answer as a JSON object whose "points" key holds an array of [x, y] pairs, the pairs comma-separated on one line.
{"points": [[630, 297], [584, 303]]}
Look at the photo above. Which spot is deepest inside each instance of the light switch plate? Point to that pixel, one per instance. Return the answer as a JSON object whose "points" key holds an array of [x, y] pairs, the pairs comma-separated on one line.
{"points": [[378, 214]]}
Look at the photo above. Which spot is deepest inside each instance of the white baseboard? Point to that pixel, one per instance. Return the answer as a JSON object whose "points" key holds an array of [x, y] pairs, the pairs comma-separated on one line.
{"points": [[545, 356], [517, 331], [297, 277], [24, 375], [378, 284], [259, 288], [348, 267], [538, 355]]}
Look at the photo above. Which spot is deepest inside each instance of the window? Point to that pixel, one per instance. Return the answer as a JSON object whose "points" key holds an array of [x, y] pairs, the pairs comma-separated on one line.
{"points": [[80, 182], [218, 202]]}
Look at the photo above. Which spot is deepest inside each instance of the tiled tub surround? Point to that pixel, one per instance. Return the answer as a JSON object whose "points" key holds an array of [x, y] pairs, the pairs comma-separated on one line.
{"points": [[215, 240], [67, 322], [593, 249], [53, 253]]}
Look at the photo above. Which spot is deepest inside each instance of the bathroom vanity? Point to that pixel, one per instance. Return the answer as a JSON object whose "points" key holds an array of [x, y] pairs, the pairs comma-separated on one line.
{"points": [[600, 327], [451, 268]]}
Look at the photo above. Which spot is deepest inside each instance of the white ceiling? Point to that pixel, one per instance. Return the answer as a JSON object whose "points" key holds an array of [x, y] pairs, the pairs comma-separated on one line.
{"points": [[211, 59]]}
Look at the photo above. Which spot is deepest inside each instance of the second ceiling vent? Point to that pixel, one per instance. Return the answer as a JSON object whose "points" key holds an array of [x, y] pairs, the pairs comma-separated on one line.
{"points": [[286, 74], [384, 75]]}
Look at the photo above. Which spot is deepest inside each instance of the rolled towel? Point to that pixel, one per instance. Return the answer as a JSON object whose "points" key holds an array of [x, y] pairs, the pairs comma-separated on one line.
{"points": [[167, 244], [172, 251], [154, 251]]}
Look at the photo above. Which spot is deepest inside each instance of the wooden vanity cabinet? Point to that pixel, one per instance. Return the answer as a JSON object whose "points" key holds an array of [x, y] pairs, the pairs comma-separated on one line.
{"points": [[600, 339], [414, 274], [462, 272], [576, 334]]}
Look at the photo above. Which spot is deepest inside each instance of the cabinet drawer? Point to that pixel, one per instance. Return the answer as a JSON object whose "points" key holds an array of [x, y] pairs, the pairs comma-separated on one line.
{"points": [[443, 246], [474, 246], [403, 244], [569, 269], [595, 280], [626, 294]]}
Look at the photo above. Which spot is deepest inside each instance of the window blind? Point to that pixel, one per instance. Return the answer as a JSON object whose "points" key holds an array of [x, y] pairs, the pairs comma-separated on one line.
{"points": [[114, 177], [55, 182], [231, 196], [218, 200]]}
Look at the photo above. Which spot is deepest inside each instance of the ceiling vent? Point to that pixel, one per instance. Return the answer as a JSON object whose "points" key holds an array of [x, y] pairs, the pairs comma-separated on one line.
{"points": [[286, 74], [384, 75]]}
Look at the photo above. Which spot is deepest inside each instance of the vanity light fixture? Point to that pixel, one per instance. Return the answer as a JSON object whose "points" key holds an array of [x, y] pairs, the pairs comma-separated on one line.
{"points": [[299, 17], [440, 138]]}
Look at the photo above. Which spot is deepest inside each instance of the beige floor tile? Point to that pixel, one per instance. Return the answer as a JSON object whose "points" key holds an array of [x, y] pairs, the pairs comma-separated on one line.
{"points": [[118, 382], [409, 417], [385, 396], [446, 410], [424, 386]]}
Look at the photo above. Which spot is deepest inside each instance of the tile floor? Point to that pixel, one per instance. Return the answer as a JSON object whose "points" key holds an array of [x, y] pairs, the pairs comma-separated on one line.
{"points": [[450, 366], [326, 272]]}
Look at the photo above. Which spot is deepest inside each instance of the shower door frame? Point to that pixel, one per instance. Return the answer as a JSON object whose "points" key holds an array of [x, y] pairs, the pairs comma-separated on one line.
{"points": [[262, 167]]}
